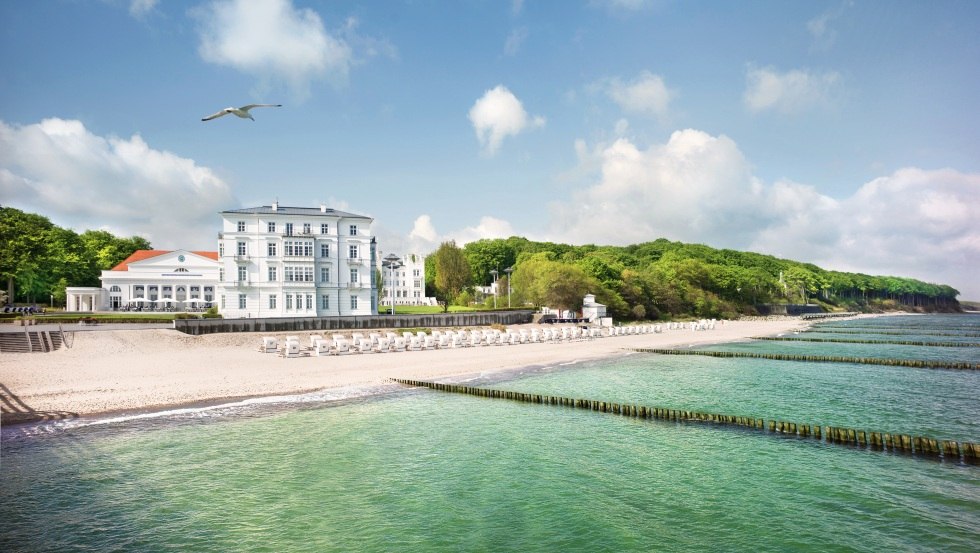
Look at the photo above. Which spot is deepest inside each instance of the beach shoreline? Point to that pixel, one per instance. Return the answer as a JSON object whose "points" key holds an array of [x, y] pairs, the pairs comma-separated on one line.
{"points": [[137, 372]]}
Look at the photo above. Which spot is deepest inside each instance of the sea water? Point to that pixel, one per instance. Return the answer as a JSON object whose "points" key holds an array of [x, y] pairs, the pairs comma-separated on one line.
{"points": [[418, 470]]}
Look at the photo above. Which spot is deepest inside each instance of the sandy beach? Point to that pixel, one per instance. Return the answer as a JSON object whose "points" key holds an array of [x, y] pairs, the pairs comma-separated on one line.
{"points": [[150, 370]]}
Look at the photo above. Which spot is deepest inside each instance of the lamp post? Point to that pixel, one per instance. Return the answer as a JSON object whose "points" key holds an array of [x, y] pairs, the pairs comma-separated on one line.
{"points": [[392, 262], [494, 273], [508, 270]]}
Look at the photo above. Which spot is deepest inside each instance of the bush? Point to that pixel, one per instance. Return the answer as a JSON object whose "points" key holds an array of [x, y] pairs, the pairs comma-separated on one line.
{"points": [[212, 313]]}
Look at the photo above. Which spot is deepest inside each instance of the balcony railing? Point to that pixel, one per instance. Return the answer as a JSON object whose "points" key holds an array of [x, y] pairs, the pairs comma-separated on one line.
{"points": [[241, 257], [241, 284]]}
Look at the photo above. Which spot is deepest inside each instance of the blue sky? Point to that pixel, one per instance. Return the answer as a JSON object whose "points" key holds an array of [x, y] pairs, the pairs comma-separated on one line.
{"points": [[843, 133]]}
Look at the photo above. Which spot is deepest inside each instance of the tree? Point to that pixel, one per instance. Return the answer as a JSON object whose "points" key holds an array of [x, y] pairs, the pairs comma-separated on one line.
{"points": [[452, 273], [550, 283], [23, 247]]}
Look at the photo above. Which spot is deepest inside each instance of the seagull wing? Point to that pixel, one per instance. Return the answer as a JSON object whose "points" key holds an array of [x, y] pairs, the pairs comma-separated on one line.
{"points": [[216, 115], [250, 106]]}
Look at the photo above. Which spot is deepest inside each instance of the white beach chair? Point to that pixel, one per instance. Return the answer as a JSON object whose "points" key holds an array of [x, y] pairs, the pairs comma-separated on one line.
{"points": [[290, 348], [384, 345], [398, 344], [364, 346], [269, 344], [321, 348], [341, 346], [445, 340]]}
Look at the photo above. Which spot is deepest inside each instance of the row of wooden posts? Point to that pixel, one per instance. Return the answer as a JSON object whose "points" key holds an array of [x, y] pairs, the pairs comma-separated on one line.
{"points": [[885, 342], [880, 441], [915, 363], [823, 330]]}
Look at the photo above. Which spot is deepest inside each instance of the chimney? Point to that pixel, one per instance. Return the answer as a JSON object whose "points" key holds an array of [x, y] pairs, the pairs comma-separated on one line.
{"points": [[275, 205], [323, 208]]}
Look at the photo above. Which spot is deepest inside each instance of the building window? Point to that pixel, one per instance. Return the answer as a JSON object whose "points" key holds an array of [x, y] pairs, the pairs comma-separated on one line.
{"points": [[181, 270], [221, 274], [289, 301], [418, 283], [241, 248], [242, 274], [324, 228], [297, 248], [324, 250], [273, 249], [289, 229], [221, 249], [309, 301], [297, 274], [195, 289], [353, 275], [353, 302], [353, 230], [306, 228], [222, 301], [272, 301], [272, 226], [324, 301], [115, 289], [324, 274], [352, 252], [273, 274], [241, 226]]}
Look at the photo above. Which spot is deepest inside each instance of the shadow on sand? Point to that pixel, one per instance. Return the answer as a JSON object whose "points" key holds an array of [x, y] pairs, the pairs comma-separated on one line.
{"points": [[14, 411]]}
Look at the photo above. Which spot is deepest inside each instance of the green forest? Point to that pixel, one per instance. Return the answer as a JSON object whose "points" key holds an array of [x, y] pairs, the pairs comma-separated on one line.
{"points": [[39, 259], [664, 279]]}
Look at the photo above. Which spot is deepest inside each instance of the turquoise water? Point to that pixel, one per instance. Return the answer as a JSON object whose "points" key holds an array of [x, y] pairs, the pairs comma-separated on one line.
{"points": [[419, 470]]}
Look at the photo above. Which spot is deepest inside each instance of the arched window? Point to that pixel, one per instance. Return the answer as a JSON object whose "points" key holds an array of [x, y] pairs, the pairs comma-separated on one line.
{"points": [[180, 270], [115, 288]]}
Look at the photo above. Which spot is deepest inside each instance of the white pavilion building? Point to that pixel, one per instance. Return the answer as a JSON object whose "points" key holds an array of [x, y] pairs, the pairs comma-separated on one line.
{"points": [[152, 280]]}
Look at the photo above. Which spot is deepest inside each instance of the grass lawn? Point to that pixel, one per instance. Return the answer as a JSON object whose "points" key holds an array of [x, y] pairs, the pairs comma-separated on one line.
{"points": [[426, 309]]}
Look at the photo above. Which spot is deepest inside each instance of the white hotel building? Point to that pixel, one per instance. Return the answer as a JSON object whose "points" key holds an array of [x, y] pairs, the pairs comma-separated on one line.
{"points": [[277, 261]]}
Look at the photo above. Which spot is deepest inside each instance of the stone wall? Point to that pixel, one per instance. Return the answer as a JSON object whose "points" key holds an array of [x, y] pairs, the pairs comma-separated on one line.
{"points": [[297, 324]]}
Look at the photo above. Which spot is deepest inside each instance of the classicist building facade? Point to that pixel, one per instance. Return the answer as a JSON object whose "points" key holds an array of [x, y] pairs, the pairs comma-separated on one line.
{"points": [[277, 261], [152, 280]]}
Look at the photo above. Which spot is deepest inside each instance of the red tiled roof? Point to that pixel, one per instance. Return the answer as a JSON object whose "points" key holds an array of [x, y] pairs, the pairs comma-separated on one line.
{"points": [[140, 255]]}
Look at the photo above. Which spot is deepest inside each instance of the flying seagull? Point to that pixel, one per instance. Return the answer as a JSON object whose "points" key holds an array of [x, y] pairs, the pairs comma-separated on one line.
{"points": [[241, 112]]}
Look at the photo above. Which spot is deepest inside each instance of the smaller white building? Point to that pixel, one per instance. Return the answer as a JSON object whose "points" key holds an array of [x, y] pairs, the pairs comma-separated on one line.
{"points": [[405, 285], [152, 280], [591, 310]]}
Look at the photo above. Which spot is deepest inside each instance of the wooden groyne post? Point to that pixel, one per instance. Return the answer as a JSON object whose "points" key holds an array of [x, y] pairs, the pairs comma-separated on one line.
{"points": [[947, 450]]}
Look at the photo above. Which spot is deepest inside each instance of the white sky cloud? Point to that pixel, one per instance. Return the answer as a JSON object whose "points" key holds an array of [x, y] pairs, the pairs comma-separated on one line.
{"points": [[497, 115], [273, 41], [83, 181], [700, 188], [645, 95], [914, 222], [791, 92], [821, 29], [140, 8], [514, 41]]}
